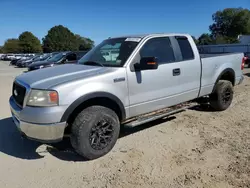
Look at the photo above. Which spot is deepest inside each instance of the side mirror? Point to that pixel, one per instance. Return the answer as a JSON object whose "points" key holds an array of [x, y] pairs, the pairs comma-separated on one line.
{"points": [[146, 63]]}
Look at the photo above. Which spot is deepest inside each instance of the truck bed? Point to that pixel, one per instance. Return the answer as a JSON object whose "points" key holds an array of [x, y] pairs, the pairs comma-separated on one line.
{"points": [[214, 64], [217, 54]]}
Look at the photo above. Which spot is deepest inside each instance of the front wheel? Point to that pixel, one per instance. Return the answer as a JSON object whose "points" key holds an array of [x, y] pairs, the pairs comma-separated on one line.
{"points": [[95, 131], [222, 96]]}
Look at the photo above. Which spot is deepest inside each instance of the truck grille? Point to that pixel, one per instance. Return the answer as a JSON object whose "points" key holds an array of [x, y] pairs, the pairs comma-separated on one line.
{"points": [[18, 93]]}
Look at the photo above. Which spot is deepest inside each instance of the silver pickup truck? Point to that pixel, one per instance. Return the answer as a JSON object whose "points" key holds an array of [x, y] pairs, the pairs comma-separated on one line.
{"points": [[144, 79]]}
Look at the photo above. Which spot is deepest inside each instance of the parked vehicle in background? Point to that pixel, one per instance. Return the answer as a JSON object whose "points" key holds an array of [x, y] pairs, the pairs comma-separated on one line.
{"points": [[247, 59], [58, 59], [18, 58], [9, 57], [27, 62], [1, 56], [14, 61], [21, 62], [149, 79]]}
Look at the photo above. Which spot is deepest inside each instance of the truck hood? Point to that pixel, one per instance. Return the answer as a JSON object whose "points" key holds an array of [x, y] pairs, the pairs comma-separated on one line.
{"points": [[52, 76]]}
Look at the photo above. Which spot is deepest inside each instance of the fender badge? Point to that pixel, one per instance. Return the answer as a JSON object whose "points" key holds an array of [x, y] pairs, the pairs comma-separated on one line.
{"points": [[119, 79]]}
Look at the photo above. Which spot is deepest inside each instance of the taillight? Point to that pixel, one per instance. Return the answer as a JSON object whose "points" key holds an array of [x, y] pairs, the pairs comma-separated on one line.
{"points": [[243, 63]]}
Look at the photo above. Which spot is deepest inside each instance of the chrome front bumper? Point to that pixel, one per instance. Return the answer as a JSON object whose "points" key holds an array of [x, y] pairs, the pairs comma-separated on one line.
{"points": [[45, 133]]}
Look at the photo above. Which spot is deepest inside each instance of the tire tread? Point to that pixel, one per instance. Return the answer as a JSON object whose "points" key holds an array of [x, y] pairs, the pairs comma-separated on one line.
{"points": [[83, 121]]}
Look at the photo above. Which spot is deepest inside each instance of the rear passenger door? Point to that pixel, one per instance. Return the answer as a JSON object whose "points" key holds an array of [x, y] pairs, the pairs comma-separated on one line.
{"points": [[189, 63]]}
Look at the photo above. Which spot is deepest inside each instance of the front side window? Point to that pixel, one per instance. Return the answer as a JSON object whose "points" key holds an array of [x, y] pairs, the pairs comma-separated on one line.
{"points": [[160, 48], [111, 52]]}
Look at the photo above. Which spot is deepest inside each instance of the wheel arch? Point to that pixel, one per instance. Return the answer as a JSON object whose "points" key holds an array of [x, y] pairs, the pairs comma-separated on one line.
{"points": [[226, 74], [96, 98]]}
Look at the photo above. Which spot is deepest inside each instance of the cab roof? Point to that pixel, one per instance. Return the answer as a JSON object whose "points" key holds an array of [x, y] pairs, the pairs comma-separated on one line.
{"points": [[151, 34]]}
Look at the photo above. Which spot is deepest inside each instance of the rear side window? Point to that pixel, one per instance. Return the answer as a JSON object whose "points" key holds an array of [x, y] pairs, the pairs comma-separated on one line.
{"points": [[158, 47], [185, 47]]}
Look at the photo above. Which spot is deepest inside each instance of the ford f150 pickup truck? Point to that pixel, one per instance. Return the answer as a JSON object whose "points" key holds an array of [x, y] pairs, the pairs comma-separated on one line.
{"points": [[145, 80]]}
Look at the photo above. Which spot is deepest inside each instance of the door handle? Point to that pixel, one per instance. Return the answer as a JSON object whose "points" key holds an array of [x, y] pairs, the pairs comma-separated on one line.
{"points": [[176, 72]]}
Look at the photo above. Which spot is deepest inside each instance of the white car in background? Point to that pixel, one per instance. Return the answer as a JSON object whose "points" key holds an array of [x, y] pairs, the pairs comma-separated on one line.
{"points": [[10, 56]]}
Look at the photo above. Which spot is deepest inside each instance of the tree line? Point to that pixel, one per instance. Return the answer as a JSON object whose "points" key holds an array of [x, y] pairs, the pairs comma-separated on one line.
{"points": [[227, 25], [59, 38]]}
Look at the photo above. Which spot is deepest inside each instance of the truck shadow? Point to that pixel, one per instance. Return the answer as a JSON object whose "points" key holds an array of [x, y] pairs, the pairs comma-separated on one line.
{"points": [[64, 151], [202, 108], [12, 144]]}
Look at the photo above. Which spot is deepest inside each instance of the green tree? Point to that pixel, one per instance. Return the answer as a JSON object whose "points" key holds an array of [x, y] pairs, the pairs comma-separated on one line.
{"points": [[229, 23], [29, 43], [195, 40], [11, 46], [225, 40], [205, 39], [84, 43], [1, 49], [59, 38]]}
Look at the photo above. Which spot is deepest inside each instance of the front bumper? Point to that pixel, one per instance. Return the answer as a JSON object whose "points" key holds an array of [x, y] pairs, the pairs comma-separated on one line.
{"points": [[45, 133]]}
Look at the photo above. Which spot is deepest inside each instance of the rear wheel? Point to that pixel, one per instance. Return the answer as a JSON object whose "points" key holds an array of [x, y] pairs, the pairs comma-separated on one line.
{"points": [[95, 131], [222, 96]]}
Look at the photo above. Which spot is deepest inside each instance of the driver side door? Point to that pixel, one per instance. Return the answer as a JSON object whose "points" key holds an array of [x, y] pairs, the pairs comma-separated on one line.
{"points": [[151, 90]]}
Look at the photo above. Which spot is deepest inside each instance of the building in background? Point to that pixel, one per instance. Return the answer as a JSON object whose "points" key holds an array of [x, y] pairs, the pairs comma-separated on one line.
{"points": [[244, 39]]}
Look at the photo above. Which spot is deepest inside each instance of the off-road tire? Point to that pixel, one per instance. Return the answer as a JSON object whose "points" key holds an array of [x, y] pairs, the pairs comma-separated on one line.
{"points": [[83, 126], [217, 98]]}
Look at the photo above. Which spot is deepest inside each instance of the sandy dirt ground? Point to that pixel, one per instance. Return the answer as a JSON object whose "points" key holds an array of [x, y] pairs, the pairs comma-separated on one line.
{"points": [[196, 148]]}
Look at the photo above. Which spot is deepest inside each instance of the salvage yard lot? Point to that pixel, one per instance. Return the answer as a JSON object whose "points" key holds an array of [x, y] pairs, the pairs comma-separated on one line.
{"points": [[196, 148]]}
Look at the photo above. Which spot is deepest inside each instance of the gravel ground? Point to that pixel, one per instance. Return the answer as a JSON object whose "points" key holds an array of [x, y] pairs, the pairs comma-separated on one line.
{"points": [[196, 148]]}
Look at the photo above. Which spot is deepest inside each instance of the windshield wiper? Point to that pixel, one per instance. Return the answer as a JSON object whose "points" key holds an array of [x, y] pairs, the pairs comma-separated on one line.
{"points": [[92, 63]]}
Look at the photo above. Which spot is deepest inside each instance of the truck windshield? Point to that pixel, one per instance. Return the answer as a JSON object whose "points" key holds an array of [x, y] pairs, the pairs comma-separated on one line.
{"points": [[111, 52]]}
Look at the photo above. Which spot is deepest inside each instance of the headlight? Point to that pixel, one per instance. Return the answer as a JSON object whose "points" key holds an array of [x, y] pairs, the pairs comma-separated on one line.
{"points": [[42, 98]]}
